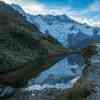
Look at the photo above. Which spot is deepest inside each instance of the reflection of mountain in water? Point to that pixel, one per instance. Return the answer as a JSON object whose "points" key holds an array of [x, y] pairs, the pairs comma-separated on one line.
{"points": [[62, 72]]}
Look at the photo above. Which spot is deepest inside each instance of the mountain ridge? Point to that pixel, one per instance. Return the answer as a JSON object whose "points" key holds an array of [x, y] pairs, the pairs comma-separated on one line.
{"points": [[61, 27]]}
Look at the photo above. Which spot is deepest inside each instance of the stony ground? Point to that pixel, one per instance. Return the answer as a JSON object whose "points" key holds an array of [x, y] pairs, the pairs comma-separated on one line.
{"points": [[95, 78]]}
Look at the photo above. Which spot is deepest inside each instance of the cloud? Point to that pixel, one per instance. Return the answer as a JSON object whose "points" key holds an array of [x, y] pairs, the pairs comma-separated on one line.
{"points": [[39, 8], [35, 8], [90, 15], [11, 1], [18, 1], [95, 6]]}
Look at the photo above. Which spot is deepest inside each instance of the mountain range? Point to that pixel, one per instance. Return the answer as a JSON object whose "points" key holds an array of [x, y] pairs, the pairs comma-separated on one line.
{"points": [[67, 31]]}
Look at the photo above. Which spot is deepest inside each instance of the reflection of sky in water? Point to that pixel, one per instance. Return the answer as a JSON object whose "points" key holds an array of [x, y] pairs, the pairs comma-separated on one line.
{"points": [[68, 68]]}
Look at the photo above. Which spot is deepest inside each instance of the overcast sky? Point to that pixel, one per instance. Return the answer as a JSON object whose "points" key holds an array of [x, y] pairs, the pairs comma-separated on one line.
{"points": [[85, 11]]}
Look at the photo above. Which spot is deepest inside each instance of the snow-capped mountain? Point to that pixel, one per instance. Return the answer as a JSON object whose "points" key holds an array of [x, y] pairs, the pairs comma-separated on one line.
{"points": [[62, 72], [67, 31], [63, 28]]}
